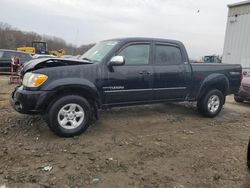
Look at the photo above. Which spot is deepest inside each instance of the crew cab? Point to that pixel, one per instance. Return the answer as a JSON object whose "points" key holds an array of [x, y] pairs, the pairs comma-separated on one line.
{"points": [[120, 72]]}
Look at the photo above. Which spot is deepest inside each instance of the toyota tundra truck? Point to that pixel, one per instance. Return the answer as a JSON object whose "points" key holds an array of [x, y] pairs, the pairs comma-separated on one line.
{"points": [[70, 93]]}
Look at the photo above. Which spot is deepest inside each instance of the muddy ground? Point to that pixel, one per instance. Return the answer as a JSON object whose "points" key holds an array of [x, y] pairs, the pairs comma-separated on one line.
{"points": [[163, 145]]}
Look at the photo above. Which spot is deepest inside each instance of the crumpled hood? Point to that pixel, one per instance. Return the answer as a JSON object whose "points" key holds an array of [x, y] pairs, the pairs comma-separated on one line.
{"points": [[50, 62]]}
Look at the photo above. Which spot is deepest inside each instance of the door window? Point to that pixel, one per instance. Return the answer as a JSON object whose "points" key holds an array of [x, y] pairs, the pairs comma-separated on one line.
{"points": [[9, 54], [24, 56], [136, 54], [169, 55]]}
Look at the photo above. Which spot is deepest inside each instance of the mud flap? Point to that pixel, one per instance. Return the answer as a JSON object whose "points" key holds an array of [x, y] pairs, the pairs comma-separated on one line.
{"points": [[96, 111]]}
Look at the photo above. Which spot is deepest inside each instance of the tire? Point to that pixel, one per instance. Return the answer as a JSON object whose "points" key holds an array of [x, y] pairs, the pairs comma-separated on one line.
{"points": [[238, 99], [211, 103], [69, 116]]}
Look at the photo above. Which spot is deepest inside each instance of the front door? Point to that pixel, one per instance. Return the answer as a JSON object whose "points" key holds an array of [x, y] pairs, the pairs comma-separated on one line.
{"points": [[132, 82]]}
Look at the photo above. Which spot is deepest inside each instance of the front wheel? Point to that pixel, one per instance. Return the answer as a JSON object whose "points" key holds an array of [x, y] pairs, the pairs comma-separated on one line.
{"points": [[211, 103], [69, 116]]}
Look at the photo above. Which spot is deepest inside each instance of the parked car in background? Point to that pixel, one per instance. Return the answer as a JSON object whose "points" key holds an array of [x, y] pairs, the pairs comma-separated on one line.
{"points": [[244, 91], [36, 56], [7, 55]]}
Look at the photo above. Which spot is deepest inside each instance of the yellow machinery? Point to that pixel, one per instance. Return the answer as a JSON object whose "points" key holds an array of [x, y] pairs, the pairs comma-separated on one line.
{"points": [[29, 50], [41, 47], [57, 53]]}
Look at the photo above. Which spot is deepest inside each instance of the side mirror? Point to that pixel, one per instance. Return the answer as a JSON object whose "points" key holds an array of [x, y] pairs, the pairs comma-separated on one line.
{"points": [[117, 61]]}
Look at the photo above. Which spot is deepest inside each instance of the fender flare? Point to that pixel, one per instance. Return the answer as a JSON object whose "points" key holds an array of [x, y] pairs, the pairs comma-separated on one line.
{"points": [[74, 83], [219, 81]]}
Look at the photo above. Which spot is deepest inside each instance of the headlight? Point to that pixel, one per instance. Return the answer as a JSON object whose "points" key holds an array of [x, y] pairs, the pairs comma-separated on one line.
{"points": [[34, 79]]}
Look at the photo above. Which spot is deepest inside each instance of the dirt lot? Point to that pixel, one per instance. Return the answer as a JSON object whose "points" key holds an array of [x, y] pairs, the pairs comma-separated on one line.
{"points": [[166, 145]]}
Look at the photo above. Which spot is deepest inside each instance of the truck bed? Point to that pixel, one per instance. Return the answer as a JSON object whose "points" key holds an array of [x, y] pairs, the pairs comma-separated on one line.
{"points": [[231, 71]]}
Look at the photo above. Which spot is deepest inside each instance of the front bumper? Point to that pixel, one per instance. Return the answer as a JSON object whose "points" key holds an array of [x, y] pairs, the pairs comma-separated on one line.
{"points": [[30, 102]]}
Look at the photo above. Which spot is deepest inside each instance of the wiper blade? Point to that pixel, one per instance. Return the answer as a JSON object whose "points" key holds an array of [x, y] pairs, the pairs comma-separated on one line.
{"points": [[87, 59]]}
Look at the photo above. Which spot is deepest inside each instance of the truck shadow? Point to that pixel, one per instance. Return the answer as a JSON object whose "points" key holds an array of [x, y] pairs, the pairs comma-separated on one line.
{"points": [[186, 109]]}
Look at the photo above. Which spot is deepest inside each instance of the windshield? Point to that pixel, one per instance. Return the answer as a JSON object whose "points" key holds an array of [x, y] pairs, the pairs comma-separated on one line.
{"points": [[99, 51]]}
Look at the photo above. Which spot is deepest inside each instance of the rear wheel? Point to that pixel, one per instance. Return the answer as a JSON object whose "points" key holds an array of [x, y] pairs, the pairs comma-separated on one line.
{"points": [[69, 116], [238, 99], [211, 103]]}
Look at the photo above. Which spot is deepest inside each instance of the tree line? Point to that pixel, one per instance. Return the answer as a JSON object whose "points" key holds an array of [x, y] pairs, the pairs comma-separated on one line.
{"points": [[12, 38]]}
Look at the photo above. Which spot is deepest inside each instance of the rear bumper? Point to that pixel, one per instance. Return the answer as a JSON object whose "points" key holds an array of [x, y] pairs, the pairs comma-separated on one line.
{"points": [[244, 93], [29, 102]]}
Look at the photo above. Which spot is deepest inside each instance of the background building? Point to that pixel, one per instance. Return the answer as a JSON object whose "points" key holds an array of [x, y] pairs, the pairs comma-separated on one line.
{"points": [[237, 39]]}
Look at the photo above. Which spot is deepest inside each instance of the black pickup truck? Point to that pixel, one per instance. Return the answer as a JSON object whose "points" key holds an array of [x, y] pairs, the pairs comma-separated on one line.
{"points": [[118, 72]]}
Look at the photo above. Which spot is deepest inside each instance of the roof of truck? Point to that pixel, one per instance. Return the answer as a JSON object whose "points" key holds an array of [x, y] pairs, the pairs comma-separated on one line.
{"points": [[147, 39]]}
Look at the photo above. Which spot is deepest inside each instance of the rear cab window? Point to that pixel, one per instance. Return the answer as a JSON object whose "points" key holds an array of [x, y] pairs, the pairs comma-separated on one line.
{"points": [[166, 54], [8, 54]]}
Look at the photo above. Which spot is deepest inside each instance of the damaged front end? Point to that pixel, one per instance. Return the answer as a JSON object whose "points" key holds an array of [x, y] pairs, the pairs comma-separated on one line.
{"points": [[50, 62], [30, 97]]}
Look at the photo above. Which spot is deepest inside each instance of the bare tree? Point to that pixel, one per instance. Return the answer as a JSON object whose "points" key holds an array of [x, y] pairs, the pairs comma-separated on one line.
{"points": [[12, 38]]}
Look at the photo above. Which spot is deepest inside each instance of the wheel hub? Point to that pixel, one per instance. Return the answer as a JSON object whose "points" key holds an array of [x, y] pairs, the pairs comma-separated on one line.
{"points": [[70, 116], [213, 103]]}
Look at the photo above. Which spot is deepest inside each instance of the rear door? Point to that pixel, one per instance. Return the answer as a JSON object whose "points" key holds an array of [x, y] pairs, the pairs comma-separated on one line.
{"points": [[171, 73], [132, 82]]}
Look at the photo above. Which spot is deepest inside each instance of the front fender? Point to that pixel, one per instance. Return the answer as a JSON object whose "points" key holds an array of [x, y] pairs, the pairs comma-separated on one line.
{"points": [[72, 83], [216, 80]]}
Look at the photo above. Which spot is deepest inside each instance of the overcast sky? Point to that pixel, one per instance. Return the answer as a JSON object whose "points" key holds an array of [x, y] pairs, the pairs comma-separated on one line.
{"points": [[199, 24]]}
